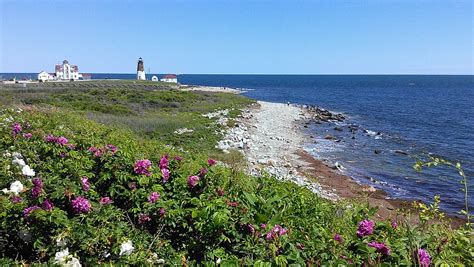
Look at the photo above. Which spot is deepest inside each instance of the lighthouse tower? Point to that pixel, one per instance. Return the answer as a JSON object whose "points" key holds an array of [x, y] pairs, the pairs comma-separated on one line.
{"points": [[140, 70]]}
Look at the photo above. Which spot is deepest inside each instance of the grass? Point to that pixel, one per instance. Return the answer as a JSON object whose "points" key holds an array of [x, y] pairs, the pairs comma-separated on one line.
{"points": [[151, 113]]}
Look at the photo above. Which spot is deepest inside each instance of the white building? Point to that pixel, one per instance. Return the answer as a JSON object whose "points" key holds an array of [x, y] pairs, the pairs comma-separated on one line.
{"points": [[169, 78], [44, 76], [67, 72], [140, 70], [154, 78]]}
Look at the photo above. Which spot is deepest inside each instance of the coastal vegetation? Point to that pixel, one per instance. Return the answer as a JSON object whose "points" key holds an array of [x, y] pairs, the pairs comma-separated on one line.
{"points": [[98, 176]]}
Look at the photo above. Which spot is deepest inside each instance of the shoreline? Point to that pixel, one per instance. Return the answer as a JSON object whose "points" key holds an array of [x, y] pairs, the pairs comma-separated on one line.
{"points": [[214, 89], [271, 137]]}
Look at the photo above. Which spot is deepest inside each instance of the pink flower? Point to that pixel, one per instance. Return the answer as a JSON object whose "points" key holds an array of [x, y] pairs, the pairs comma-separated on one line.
{"points": [[29, 210], [71, 146], [164, 162], [338, 238], [251, 228], [92, 149], [37, 182], [37, 189], [162, 212], [81, 205], [193, 181], [211, 162], [16, 128], [283, 231], [153, 197], [276, 231], [381, 248], [35, 192], [262, 225], [61, 140], [366, 227], [58, 140], [143, 218], [166, 175], [16, 199], [269, 236], [220, 192], [99, 153], [178, 158], [111, 148], [105, 201], [394, 224], [85, 183], [143, 167], [233, 204], [424, 258], [27, 135], [47, 205], [202, 172], [50, 138]]}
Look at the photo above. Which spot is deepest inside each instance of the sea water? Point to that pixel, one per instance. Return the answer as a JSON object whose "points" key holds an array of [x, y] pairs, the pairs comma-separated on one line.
{"points": [[398, 118]]}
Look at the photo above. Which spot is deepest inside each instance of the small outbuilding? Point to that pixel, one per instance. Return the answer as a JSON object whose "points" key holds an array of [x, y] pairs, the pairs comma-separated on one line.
{"points": [[154, 78], [169, 78], [44, 76]]}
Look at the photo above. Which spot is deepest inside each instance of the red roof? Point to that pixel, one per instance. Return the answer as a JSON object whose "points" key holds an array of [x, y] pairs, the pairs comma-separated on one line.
{"points": [[169, 76]]}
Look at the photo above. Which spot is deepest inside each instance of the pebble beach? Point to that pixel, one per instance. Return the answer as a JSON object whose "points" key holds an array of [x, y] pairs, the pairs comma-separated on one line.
{"points": [[271, 137]]}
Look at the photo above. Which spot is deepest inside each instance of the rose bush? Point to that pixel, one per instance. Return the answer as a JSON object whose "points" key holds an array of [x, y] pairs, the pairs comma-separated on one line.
{"points": [[94, 194]]}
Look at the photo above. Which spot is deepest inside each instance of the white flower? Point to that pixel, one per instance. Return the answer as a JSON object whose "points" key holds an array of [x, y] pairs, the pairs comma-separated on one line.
{"points": [[5, 191], [18, 161], [17, 155], [73, 262], [61, 256], [61, 242], [16, 187], [7, 154], [218, 261], [9, 119], [26, 170], [126, 248]]}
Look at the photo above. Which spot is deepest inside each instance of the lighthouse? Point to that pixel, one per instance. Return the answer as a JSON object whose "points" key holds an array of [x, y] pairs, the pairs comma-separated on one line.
{"points": [[140, 70]]}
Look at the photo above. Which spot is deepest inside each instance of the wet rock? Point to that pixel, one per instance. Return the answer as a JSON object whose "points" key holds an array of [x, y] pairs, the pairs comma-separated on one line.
{"points": [[370, 189], [377, 151], [400, 152], [330, 137], [338, 129]]}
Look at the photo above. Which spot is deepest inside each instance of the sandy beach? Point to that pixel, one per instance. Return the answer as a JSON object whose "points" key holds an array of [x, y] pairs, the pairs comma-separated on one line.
{"points": [[210, 89]]}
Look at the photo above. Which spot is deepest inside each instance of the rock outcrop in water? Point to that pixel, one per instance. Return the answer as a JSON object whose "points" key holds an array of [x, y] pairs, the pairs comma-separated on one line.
{"points": [[319, 114]]}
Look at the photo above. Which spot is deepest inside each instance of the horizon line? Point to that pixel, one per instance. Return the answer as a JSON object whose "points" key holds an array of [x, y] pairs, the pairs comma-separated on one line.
{"points": [[277, 74]]}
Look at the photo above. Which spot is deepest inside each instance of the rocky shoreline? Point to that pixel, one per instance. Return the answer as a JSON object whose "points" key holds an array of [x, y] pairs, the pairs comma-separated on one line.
{"points": [[270, 135]]}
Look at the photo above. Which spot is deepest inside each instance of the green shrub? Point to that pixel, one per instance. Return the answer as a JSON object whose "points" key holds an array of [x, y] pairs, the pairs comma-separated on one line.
{"points": [[201, 214]]}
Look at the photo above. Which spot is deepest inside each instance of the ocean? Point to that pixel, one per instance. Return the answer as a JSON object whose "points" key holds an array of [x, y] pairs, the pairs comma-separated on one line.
{"points": [[419, 115]]}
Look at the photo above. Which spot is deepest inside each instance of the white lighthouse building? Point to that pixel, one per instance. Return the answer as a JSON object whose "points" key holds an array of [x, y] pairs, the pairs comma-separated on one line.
{"points": [[140, 70], [67, 71]]}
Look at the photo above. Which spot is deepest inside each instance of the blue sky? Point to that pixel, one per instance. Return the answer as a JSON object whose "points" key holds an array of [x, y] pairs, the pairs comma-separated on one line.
{"points": [[254, 37]]}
